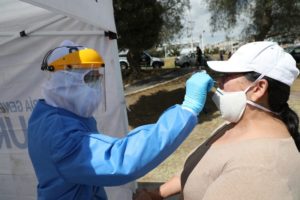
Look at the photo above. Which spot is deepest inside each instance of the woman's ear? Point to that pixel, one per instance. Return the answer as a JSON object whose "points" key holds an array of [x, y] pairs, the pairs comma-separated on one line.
{"points": [[259, 91]]}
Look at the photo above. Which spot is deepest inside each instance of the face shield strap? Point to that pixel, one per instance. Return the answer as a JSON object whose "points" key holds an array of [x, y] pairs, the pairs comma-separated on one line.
{"points": [[50, 68], [44, 65], [72, 49]]}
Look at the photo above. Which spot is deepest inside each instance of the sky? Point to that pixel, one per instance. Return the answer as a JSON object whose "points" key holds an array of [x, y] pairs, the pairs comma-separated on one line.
{"points": [[199, 17]]}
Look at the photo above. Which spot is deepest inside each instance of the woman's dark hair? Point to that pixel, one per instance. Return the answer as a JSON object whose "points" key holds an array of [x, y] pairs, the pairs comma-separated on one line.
{"points": [[278, 96]]}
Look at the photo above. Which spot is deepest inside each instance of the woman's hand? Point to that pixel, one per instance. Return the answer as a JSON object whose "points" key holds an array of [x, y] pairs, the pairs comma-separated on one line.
{"points": [[145, 194], [169, 188]]}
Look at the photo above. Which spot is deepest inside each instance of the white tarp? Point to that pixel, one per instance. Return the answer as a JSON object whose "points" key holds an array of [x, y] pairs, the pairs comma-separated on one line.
{"points": [[96, 12], [21, 78]]}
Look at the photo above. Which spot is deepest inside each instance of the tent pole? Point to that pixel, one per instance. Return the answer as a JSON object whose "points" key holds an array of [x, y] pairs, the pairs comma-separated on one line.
{"points": [[71, 33], [57, 33], [32, 29], [7, 33]]}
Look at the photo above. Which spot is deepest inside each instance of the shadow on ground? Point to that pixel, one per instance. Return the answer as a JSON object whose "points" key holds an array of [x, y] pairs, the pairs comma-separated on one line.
{"points": [[148, 108]]}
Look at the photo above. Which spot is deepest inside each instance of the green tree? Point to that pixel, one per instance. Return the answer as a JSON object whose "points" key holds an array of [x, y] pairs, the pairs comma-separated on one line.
{"points": [[143, 24], [267, 18], [174, 50], [173, 18]]}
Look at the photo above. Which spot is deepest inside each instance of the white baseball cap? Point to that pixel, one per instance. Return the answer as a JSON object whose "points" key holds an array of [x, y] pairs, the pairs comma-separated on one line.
{"points": [[266, 58]]}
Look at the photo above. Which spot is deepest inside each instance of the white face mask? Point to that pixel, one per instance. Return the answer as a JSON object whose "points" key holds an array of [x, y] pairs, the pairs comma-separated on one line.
{"points": [[68, 90], [232, 104]]}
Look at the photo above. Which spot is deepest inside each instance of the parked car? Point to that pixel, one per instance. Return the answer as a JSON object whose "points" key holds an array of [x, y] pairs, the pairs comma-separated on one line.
{"points": [[294, 51], [124, 64], [146, 60], [189, 60]]}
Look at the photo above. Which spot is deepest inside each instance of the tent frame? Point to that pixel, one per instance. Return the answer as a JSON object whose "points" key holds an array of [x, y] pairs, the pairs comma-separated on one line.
{"points": [[30, 30]]}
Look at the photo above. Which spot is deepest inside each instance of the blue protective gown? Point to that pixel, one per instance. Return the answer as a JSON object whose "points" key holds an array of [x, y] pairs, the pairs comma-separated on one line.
{"points": [[73, 161]]}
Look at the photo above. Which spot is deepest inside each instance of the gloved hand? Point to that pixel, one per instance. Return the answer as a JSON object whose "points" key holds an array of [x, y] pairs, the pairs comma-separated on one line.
{"points": [[197, 87]]}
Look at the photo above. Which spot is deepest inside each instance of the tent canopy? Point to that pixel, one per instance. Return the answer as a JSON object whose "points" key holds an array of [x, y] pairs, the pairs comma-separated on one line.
{"points": [[27, 32], [31, 19]]}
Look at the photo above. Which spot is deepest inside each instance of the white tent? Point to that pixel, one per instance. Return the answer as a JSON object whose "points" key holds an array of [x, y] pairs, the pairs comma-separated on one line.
{"points": [[27, 31]]}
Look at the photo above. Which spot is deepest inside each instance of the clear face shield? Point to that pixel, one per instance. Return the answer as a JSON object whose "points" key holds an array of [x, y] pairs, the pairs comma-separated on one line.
{"points": [[78, 88], [91, 77]]}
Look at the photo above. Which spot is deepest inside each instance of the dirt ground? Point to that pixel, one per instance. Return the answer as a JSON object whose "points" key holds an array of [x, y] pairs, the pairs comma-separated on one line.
{"points": [[146, 107]]}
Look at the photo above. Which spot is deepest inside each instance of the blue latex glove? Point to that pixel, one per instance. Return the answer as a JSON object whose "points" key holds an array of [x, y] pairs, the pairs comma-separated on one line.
{"points": [[197, 87]]}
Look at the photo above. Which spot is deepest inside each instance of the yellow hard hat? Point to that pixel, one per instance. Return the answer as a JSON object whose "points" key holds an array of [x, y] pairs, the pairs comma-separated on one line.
{"points": [[80, 59]]}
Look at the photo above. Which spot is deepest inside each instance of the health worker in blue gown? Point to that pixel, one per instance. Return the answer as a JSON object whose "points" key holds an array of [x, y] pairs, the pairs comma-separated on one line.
{"points": [[71, 158]]}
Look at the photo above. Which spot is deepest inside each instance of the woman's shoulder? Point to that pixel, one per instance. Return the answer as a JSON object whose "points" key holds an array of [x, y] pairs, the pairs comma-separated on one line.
{"points": [[271, 153]]}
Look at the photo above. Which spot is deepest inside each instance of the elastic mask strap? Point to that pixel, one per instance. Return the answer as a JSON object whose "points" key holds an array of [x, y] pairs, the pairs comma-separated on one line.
{"points": [[219, 91], [261, 107], [255, 104]]}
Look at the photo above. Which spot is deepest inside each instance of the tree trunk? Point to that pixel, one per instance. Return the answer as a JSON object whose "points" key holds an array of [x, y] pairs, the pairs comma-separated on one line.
{"points": [[133, 57]]}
